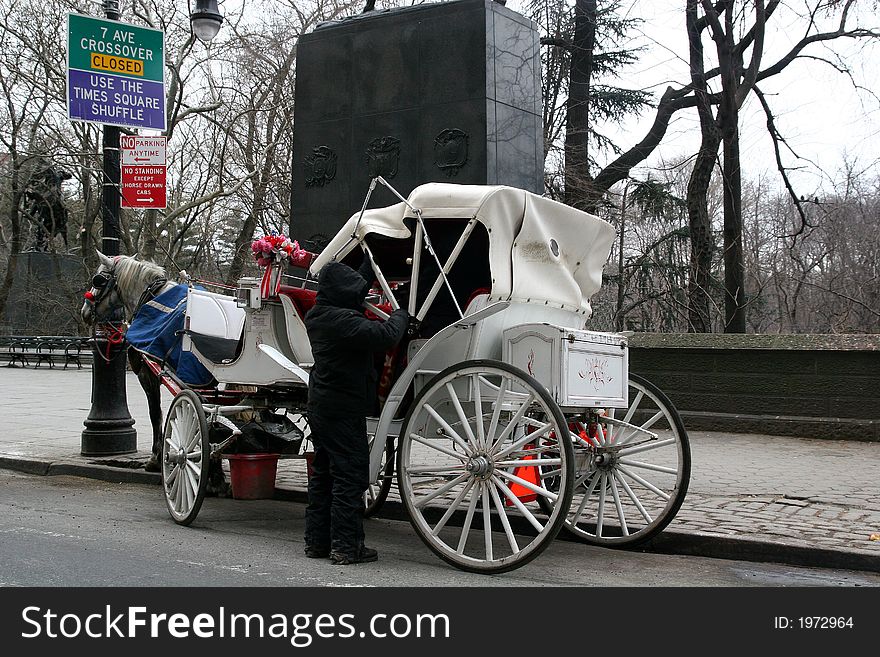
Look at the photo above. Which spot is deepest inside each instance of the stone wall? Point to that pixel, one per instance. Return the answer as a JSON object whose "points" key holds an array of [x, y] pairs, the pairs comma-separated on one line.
{"points": [[822, 386]]}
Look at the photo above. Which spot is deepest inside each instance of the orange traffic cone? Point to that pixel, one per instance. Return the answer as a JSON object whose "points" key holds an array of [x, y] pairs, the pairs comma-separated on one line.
{"points": [[530, 474]]}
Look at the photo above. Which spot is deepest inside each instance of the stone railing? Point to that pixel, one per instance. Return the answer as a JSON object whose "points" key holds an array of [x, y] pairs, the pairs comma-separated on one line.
{"points": [[816, 386]]}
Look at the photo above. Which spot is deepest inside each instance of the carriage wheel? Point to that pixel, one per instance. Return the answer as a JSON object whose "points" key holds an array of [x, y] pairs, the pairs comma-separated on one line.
{"points": [[377, 493], [186, 452], [632, 478], [467, 466]]}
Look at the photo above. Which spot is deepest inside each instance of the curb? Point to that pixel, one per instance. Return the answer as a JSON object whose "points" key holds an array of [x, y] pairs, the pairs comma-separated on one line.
{"points": [[107, 473], [671, 542]]}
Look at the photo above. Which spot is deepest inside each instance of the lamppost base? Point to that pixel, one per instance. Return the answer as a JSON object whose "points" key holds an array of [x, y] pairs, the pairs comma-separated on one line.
{"points": [[109, 427], [109, 440]]}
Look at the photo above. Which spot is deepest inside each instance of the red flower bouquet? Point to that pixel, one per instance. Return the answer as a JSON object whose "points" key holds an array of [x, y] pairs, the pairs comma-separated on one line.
{"points": [[271, 251]]}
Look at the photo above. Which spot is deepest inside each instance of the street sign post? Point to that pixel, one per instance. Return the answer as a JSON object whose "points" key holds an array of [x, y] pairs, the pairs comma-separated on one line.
{"points": [[144, 169], [115, 73]]}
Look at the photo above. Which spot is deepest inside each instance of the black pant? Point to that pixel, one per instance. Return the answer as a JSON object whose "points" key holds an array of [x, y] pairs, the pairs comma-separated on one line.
{"points": [[340, 475]]}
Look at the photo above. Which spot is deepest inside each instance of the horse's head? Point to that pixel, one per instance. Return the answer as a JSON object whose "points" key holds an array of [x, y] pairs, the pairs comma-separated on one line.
{"points": [[104, 296]]}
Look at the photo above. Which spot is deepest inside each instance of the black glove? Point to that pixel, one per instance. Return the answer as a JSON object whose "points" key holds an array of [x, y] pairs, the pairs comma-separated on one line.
{"points": [[412, 328]]}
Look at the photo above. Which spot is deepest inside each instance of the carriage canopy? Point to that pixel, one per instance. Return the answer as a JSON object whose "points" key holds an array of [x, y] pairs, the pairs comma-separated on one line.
{"points": [[540, 250]]}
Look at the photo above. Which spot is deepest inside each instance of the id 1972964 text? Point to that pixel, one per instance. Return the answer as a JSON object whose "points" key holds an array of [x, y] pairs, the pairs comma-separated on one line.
{"points": [[813, 623]]}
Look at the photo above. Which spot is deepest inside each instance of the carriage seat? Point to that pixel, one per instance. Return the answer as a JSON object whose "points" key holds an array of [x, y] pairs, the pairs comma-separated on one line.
{"points": [[303, 298], [215, 323]]}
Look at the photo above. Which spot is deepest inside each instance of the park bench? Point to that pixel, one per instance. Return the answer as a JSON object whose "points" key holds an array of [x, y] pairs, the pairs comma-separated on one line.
{"points": [[34, 350]]}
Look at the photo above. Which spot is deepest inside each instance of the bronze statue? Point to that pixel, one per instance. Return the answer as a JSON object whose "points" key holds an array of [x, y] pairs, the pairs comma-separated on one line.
{"points": [[45, 206]]}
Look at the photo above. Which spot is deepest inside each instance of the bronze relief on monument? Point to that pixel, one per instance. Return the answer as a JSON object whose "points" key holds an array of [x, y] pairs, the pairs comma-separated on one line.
{"points": [[451, 150], [383, 156], [320, 166]]}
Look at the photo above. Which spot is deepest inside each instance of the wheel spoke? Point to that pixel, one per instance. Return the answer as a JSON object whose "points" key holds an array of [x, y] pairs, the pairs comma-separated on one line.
{"points": [[433, 469], [649, 466], [634, 498], [502, 514], [529, 462], [487, 521], [174, 438], [466, 527], [583, 504], [528, 484], [196, 471], [651, 487], [620, 514], [422, 501], [644, 427], [635, 449], [178, 498], [529, 437], [195, 454], [188, 488], [600, 514], [517, 503], [433, 444], [478, 411], [521, 411], [453, 507], [189, 423], [452, 433], [632, 407], [496, 413], [456, 403], [173, 480]]}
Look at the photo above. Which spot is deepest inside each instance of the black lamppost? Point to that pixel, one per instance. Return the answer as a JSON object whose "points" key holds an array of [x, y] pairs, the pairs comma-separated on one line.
{"points": [[109, 426]]}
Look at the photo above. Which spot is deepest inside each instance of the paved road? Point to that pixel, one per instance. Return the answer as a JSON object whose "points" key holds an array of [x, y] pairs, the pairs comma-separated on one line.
{"points": [[72, 531], [803, 500]]}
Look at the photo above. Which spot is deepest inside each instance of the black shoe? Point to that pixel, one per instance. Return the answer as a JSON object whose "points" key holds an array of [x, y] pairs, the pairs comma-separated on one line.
{"points": [[363, 555], [313, 552]]}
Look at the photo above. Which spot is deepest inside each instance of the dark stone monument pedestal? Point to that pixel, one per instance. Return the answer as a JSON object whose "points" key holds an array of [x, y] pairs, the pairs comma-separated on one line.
{"points": [[446, 92]]}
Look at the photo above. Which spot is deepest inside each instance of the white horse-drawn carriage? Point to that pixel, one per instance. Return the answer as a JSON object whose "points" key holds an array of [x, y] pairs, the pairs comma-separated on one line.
{"points": [[502, 418]]}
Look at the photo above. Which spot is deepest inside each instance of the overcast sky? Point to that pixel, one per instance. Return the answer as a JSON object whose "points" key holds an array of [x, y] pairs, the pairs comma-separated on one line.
{"points": [[817, 109]]}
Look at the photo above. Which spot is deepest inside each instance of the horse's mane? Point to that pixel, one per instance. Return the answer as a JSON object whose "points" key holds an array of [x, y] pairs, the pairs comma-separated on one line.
{"points": [[133, 276]]}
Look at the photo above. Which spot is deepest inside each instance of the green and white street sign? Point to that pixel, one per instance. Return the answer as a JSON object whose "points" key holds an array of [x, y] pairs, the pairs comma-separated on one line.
{"points": [[115, 73]]}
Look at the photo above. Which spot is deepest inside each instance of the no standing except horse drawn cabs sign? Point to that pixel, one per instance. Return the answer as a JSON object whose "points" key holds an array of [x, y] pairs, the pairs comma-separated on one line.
{"points": [[143, 171], [115, 73]]}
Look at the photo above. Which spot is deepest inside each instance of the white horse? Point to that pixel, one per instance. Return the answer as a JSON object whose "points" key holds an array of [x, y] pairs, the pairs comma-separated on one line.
{"points": [[125, 283]]}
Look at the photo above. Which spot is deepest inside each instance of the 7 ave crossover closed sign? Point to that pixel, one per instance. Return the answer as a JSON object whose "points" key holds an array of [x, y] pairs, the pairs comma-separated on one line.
{"points": [[115, 73], [143, 171]]}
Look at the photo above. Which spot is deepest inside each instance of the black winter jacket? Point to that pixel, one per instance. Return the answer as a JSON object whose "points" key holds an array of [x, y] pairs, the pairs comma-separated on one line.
{"points": [[343, 341]]}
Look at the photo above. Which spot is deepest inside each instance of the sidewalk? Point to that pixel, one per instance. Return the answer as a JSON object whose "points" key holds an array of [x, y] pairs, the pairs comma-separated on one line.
{"points": [[803, 501]]}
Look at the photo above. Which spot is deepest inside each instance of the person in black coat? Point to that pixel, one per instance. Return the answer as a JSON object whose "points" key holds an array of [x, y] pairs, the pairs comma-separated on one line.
{"points": [[342, 391]]}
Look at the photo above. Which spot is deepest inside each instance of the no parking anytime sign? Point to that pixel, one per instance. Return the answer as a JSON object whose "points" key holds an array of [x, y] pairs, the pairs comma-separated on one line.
{"points": [[143, 171]]}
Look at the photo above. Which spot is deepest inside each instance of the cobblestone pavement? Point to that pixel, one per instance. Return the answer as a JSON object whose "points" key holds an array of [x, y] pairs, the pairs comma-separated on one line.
{"points": [[782, 493]]}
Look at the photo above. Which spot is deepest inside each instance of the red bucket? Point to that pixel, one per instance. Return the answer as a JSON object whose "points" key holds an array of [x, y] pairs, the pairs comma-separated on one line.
{"points": [[252, 475]]}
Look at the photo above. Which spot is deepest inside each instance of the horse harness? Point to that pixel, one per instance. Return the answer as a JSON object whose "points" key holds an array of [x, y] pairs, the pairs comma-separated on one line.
{"points": [[104, 282]]}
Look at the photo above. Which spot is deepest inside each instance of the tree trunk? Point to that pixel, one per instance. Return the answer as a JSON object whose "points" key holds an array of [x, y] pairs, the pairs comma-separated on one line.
{"points": [[734, 265], [619, 315], [577, 168], [699, 222], [702, 243], [15, 242]]}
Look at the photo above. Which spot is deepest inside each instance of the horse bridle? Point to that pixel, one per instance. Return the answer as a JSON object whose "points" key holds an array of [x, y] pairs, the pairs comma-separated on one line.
{"points": [[104, 282]]}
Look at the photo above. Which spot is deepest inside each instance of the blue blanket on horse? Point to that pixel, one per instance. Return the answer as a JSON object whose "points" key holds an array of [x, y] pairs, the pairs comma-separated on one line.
{"points": [[156, 330]]}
